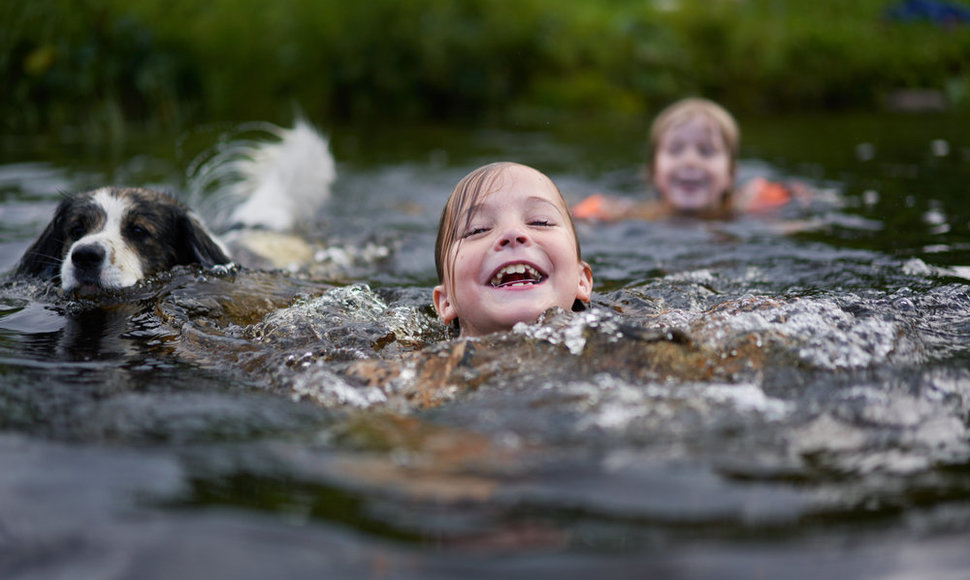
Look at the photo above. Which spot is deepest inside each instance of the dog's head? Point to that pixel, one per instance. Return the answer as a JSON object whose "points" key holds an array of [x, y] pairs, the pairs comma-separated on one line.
{"points": [[111, 238]]}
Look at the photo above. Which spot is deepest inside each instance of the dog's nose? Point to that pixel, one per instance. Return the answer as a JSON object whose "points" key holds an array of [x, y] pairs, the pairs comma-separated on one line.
{"points": [[88, 257]]}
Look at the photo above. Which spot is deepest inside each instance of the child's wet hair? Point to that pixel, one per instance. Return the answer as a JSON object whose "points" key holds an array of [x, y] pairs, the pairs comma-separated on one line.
{"points": [[689, 108], [460, 209]]}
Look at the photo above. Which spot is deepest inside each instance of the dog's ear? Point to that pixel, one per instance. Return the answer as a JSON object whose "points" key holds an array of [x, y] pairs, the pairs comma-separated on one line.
{"points": [[199, 245], [43, 258]]}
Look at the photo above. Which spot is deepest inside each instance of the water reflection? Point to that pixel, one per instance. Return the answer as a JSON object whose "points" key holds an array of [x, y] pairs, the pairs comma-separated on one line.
{"points": [[96, 335]]}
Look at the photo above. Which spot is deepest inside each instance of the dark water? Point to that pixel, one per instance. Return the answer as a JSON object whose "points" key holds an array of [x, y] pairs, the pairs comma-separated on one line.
{"points": [[784, 395]]}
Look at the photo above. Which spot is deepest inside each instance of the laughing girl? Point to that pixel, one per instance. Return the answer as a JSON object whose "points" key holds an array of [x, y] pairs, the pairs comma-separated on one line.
{"points": [[506, 251]]}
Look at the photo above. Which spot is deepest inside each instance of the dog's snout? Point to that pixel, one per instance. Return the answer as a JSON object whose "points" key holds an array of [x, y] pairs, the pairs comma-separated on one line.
{"points": [[88, 257]]}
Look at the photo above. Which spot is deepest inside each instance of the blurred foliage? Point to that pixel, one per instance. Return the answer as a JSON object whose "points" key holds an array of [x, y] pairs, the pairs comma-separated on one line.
{"points": [[98, 65]]}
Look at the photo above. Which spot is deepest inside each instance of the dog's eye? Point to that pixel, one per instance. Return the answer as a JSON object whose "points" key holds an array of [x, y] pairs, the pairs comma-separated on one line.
{"points": [[77, 230], [137, 232]]}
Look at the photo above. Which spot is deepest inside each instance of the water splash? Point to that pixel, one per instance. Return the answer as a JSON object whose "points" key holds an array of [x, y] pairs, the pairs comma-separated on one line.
{"points": [[819, 332], [571, 330], [319, 383]]}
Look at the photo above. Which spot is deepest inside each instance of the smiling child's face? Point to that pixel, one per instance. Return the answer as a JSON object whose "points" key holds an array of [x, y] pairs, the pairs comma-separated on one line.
{"points": [[692, 166], [516, 258]]}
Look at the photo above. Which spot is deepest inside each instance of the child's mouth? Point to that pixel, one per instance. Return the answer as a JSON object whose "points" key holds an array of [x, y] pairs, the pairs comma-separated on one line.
{"points": [[690, 183], [516, 275]]}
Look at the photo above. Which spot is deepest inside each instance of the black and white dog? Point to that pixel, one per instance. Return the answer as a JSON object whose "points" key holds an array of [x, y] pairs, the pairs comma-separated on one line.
{"points": [[113, 237]]}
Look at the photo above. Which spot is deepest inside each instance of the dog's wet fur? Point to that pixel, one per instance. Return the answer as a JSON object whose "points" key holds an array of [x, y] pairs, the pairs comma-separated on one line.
{"points": [[111, 238]]}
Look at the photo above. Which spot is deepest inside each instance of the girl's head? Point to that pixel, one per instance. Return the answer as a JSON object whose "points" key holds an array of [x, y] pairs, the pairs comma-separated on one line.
{"points": [[506, 251], [693, 155]]}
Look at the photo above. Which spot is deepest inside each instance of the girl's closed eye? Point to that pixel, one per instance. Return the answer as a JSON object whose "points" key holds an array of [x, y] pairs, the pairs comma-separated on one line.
{"points": [[675, 148], [474, 231], [708, 150], [542, 222]]}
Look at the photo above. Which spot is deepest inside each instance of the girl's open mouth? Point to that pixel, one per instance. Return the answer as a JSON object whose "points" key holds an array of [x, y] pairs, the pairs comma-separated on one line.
{"points": [[690, 183], [516, 275]]}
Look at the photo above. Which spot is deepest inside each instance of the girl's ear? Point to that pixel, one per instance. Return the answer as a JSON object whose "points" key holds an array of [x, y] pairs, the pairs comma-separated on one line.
{"points": [[585, 288], [442, 304]]}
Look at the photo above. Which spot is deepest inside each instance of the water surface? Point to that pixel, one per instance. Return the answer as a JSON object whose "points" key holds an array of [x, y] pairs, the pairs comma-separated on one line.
{"points": [[784, 394]]}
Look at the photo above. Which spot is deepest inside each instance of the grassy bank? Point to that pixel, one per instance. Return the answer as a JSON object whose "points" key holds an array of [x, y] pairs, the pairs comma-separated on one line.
{"points": [[166, 63]]}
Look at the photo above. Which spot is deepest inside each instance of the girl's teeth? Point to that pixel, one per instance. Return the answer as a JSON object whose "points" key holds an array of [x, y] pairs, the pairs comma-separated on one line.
{"points": [[516, 269]]}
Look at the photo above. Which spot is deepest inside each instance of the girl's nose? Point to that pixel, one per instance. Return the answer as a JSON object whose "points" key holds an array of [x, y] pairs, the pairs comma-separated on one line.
{"points": [[692, 155], [512, 237]]}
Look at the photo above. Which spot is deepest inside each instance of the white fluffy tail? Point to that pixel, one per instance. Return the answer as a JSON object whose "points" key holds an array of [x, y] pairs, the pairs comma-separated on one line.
{"points": [[286, 181], [268, 184]]}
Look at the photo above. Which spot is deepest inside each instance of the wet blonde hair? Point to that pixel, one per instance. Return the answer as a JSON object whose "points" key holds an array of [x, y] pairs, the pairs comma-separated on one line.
{"points": [[465, 197], [690, 108], [460, 209]]}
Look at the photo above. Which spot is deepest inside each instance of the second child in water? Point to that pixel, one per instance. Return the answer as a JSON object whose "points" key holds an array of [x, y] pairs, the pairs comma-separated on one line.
{"points": [[506, 251], [692, 163]]}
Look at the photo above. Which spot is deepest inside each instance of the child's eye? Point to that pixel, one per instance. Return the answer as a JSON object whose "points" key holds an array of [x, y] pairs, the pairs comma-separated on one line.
{"points": [[474, 232], [542, 222]]}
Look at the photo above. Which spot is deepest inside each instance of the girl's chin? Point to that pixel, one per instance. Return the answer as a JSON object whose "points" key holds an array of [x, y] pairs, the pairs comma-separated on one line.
{"points": [[511, 314], [690, 201]]}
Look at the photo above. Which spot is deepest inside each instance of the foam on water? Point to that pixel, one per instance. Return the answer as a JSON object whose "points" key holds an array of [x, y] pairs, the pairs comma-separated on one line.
{"points": [[570, 331], [817, 331], [320, 384]]}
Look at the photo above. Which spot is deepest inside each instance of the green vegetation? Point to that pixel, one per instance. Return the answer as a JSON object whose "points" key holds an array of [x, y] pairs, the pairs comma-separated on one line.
{"points": [[165, 63]]}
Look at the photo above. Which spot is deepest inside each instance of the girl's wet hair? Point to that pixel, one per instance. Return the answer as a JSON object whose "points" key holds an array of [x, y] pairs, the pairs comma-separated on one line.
{"points": [[460, 209], [690, 108], [464, 199]]}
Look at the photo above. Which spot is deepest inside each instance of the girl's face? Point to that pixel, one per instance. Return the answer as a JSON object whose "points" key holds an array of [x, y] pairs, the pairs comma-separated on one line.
{"points": [[692, 166], [516, 259]]}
